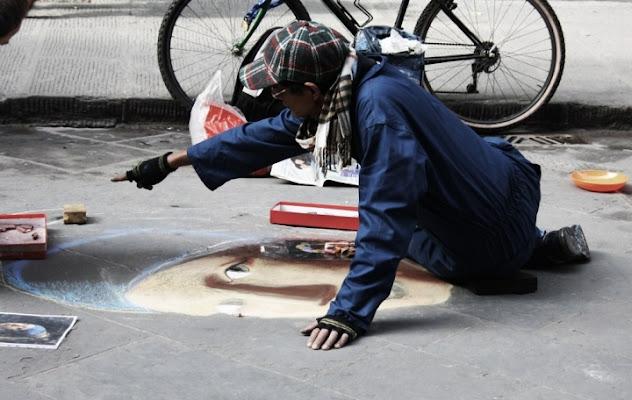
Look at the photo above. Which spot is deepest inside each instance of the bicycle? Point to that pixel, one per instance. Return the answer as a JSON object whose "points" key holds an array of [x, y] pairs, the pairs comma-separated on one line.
{"points": [[493, 62]]}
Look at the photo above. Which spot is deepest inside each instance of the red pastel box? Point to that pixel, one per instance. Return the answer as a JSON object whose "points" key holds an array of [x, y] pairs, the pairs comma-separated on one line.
{"points": [[23, 236], [315, 215]]}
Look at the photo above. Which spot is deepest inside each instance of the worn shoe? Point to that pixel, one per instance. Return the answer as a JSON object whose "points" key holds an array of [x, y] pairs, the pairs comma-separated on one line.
{"points": [[565, 245], [558, 247], [574, 243]]}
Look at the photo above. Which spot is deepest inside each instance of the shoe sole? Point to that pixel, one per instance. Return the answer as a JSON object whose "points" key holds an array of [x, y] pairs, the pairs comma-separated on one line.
{"points": [[576, 243]]}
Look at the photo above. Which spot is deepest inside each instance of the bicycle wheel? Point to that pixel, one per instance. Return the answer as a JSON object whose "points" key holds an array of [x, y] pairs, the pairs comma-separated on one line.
{"points": [[197, 37], [523, 48]]}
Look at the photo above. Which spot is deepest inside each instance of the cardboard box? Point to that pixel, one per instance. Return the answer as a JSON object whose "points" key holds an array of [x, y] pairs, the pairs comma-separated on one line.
{"points": [[23, 236], [315, 215]]}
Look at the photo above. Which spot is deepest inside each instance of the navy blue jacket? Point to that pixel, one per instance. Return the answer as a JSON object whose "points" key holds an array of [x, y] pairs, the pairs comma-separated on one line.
{"points": [[422, 169]]}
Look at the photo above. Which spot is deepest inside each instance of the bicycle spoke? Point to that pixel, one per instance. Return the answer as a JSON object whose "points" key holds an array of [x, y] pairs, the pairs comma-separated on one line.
{"points": [[444, 83]]}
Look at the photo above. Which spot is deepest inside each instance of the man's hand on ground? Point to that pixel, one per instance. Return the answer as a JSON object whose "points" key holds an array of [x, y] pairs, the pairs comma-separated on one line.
{"points": [[323, 338]]}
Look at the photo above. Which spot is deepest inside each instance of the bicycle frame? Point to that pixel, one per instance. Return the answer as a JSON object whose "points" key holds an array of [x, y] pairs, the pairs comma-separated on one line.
{"points": [[484, 55]]}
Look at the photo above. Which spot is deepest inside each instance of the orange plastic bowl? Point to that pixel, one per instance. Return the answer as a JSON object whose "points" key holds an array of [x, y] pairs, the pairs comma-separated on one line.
{"points": [[599, 180]]}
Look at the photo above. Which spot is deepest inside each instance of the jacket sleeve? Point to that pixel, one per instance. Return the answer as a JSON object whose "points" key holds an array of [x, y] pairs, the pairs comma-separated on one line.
{"points": [[392, 182], [245, 149]]}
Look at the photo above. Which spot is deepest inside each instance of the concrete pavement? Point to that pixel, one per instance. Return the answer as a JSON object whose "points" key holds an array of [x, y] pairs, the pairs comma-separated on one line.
{"points": [[568, 340]]}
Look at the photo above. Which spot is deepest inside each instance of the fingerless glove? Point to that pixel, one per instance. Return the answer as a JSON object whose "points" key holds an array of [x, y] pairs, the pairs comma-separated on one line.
{"points": [[340, 325], [150, 172]]}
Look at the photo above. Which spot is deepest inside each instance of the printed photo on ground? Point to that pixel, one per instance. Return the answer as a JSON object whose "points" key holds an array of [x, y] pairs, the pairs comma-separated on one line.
{"points": [[35, 331]]}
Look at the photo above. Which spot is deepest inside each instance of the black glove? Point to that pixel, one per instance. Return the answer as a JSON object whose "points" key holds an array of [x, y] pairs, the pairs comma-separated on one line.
{"points": [[150, 172], [340, 325]]}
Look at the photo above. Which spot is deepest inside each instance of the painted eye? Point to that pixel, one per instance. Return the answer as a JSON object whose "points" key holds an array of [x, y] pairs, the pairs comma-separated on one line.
{"points": [[237, 271]]}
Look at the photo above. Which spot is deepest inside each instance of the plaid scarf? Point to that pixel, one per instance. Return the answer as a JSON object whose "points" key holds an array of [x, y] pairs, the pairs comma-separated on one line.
{"points": [[330, 137]]}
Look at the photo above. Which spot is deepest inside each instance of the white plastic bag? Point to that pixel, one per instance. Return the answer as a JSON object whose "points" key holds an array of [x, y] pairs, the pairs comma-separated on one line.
{"points": [[395, 43], [210, 115]]}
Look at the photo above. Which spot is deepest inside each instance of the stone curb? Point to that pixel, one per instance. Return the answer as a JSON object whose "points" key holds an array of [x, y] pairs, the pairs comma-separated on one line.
{"points": [[85, 112], [89, 112]]}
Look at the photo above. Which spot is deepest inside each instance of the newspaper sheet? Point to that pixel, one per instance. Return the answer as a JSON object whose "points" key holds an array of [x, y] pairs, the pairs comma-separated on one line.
{"points": [[300, 170]]}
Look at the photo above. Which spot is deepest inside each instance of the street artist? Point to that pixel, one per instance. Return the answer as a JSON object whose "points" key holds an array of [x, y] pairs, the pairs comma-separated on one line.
{"points": [[430, 188]]}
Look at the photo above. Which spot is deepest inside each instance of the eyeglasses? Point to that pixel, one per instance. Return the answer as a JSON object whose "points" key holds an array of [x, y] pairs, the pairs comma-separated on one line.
{"points": [[275, 92]]}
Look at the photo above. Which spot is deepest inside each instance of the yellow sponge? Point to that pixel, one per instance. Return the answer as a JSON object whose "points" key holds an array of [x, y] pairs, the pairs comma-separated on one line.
{"points": [[75, 214]]}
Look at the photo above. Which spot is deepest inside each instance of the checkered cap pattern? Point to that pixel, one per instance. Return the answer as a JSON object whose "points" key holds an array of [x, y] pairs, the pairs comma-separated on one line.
{"points": [[304, 51]]}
